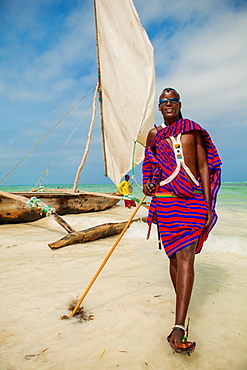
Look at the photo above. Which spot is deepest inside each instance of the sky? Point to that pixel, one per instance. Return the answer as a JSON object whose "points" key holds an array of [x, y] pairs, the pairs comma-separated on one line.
{"points": [[48, 63]]}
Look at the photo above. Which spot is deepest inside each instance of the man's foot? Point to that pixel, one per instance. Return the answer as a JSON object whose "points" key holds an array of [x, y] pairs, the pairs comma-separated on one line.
{"points": [[178, 341]]}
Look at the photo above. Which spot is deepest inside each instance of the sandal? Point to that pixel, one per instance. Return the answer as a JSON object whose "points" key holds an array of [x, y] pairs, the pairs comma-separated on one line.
{"points": [[181, 350]]}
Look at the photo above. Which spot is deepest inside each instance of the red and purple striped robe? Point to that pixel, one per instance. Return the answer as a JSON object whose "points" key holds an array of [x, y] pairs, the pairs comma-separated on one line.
{"points": [[180, 219]]}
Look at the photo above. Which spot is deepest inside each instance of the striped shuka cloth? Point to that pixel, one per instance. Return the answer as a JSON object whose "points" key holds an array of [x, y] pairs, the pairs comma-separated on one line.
{"points": [[181, 218]]}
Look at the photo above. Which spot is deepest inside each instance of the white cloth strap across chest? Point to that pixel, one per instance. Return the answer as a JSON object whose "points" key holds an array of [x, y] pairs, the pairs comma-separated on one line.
{"points": [[178, 151]]}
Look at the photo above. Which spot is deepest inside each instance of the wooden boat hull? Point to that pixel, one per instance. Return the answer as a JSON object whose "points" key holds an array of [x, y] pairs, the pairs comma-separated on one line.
{"points": [[13, 211]]}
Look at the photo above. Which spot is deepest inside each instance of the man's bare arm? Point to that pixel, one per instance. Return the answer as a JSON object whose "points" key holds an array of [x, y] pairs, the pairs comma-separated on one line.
{"points": [[150, 136], [204, 172], [146, 188]]}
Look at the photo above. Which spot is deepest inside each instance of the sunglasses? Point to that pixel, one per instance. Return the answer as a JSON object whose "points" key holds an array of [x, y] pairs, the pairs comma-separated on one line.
{"points": [[171, 100]]}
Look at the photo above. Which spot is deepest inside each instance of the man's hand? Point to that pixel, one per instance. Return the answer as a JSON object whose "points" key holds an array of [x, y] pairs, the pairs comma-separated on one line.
{"points": [[209, 217], [147, 189]]}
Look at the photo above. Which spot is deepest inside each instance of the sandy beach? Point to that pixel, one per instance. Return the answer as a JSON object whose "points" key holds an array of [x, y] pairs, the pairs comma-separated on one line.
{"points": [[131, 303]]}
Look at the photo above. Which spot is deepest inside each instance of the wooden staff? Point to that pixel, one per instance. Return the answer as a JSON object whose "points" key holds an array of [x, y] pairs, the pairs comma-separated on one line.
{"points": [[107, 257]]}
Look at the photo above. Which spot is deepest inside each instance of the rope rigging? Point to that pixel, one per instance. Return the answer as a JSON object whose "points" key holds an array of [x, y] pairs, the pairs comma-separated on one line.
{"points": [[35, 146], [38, 184]]}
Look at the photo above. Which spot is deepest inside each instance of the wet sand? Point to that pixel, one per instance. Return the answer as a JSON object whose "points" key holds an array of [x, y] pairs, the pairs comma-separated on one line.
{"points": [[132, 301]]}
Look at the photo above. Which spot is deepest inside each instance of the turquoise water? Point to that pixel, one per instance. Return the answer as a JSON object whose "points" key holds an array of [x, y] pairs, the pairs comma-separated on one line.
{"points": [[231, 194], [94, 188]]}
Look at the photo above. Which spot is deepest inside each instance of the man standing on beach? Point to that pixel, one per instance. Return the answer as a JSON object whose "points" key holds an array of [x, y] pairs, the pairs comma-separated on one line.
{"points": [[181, 172], [125, 189]]}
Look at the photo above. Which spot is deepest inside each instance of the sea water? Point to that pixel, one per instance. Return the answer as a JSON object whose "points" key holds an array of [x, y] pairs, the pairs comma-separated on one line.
{"points": [[231, 194], [230, 232]]}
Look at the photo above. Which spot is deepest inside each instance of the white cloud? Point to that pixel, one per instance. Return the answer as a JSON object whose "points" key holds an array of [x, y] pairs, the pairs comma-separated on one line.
{"points": [[202, 52], [210, 69], [49, 62], [43, 65]]}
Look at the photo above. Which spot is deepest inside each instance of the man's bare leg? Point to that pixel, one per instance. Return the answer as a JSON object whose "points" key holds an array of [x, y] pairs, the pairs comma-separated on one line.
{"points": [[173, 270], [182, 276]]}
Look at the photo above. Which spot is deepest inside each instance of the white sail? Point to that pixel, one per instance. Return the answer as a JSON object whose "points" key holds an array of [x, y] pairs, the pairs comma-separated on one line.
{"points": [[127, 82]]}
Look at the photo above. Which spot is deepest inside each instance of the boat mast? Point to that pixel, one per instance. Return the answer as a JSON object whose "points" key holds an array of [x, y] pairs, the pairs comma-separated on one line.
{"points": [[100, 88], [77, 177]]}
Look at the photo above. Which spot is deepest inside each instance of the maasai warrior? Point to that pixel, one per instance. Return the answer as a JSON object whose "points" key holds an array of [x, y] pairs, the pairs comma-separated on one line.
{"points": [[181, 171]]}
